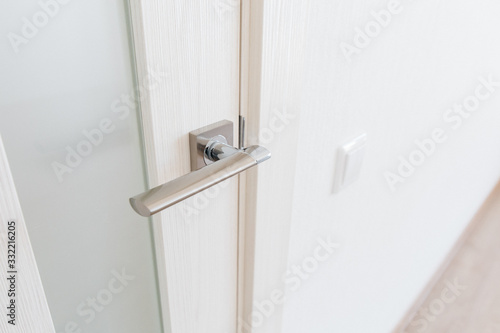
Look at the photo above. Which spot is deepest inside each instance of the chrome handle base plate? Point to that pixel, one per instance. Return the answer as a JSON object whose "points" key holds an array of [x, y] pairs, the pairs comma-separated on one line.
{"points": [[199, 140]]}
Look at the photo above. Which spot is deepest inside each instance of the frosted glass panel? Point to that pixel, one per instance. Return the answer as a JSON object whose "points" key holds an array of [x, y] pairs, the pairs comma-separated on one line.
{"points": [[74, 146]]}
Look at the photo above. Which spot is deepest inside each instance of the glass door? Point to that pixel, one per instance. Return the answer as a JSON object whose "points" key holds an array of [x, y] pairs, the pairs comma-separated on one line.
{"points": [[70, 125]]}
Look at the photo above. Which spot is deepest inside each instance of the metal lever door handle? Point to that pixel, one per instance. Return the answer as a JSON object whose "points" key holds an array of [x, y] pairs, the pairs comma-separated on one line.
{"points": [[227, 162]]}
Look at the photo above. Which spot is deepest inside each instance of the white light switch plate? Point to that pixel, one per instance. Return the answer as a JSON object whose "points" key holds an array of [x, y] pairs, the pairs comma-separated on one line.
{"points": [[350, 158]]}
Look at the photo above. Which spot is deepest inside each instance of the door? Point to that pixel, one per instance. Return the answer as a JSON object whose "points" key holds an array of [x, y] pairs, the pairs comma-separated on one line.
{"points": [[196, 43], [101, 97], [97, 104], [76, 155]]}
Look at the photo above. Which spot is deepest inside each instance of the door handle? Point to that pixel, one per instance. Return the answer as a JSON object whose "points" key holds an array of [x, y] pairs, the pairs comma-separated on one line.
{"points": [[212, 158]]}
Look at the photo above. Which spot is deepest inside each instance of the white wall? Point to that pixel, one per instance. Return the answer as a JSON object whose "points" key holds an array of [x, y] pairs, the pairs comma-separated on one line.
{"points": [[63, 81], [396, 90]]}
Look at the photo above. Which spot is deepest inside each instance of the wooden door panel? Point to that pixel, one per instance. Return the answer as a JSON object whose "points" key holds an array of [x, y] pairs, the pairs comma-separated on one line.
{"points": [[195, 44]]}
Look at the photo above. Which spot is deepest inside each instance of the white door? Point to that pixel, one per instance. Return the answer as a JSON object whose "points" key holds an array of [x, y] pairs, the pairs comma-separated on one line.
{"points": [[98, 99], [99, 108], [196, 43], [70, 122]]}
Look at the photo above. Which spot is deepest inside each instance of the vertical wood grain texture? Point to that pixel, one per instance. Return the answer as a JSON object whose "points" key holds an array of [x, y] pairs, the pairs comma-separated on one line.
{"points": [[197, 44], [276, 45], [33, 315]]}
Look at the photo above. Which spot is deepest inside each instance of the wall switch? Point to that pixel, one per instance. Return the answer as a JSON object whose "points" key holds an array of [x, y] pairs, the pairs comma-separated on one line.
{"points": [[350, 158]]}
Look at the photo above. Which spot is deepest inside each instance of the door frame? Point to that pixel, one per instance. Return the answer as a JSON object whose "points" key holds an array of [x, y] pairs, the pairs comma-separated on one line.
{"points": [[269, 58], [31, 310]]}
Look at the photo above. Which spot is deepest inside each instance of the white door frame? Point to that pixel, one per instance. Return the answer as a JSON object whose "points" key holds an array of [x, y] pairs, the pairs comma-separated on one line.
{"points": [[24, 293], [273, 38]]}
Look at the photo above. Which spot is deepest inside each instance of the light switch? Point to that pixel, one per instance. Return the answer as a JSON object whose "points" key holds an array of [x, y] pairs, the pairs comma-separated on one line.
{"points": [[350, 158]]}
